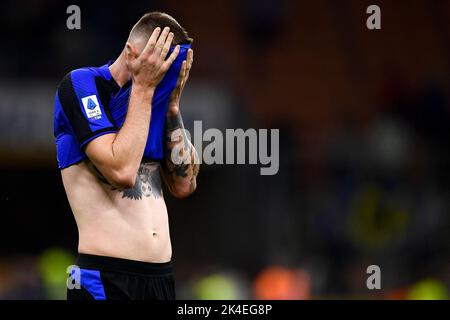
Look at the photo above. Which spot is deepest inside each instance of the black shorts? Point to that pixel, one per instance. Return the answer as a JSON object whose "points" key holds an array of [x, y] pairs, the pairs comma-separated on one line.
{"points": [[106, 278]]}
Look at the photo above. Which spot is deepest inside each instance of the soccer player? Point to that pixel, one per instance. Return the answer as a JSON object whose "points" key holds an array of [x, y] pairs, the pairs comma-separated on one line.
{"points": [[118, 131]]}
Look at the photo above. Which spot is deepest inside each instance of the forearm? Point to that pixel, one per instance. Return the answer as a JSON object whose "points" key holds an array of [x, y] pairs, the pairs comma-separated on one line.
{"points": [[129, 144], [181, 160], [118, 156]]}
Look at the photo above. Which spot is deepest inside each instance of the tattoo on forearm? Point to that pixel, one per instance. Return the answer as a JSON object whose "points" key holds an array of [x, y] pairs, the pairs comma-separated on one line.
{"points": [[176, 123], [181, 170]]}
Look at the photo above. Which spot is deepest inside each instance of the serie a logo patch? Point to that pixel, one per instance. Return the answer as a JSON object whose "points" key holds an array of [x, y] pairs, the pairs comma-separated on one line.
{"points": [[92, 107]]}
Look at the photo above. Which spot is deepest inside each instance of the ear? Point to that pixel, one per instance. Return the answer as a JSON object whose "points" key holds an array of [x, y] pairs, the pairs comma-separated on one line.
{"points": [[131, 52]]}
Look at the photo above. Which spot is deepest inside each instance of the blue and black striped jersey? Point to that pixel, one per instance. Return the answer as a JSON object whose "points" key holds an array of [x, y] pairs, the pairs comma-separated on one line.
{"points": [[89, 103]]}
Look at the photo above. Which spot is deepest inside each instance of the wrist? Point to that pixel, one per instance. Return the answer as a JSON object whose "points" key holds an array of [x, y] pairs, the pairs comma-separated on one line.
{"points": [[143, 91], [173, 109]]}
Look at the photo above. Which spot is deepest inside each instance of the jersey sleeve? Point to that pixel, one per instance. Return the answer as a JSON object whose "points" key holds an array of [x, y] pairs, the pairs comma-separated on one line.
{"points": [[80, 101]]}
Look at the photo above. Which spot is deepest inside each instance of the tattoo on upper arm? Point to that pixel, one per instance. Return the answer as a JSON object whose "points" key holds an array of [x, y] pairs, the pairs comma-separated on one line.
{"points": [[148, 182]]}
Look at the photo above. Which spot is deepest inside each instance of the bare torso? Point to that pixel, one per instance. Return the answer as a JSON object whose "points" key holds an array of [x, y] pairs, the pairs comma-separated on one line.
{"points": [[129, 224]]}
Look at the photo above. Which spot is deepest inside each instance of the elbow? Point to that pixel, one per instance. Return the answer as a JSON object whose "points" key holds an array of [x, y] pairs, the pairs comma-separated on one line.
{"points": [[183, 191], [181, 194], [123, 178]]}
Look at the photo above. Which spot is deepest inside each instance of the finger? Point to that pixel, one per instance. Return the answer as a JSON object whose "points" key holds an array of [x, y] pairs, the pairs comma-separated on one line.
{"points": [[190, 60], [161, 40], [167, 44], [151, 41], [190, 56], [186, 75], [181, 75], [183, 70], [171, 58]]}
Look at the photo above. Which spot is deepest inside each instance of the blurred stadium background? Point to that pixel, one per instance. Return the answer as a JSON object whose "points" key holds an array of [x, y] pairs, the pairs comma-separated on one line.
{"points": [[364, 124]]}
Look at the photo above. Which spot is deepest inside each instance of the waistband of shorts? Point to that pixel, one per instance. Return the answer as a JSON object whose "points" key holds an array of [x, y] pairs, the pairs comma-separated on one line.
{"points": [[103, 263]]}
